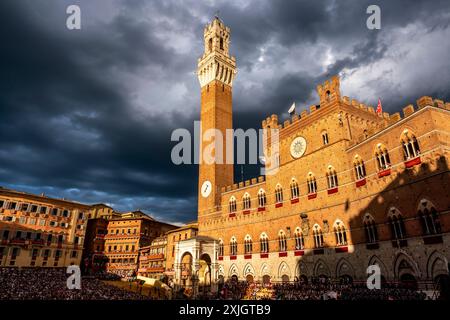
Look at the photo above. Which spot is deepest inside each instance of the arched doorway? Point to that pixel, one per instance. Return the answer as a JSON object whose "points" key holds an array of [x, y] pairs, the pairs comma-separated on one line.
{"points": [[234, 278], [408, 280], [266, 279], [284, 278], [303, 279], [204, 274], [442, 282], [186, 271], [249, 278]]}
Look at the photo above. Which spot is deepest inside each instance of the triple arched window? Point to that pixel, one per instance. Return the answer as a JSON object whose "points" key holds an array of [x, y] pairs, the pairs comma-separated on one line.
{"points": [[232, 207], [382, 155], [410, 145], [340, 233], [318, 236], [233, 246], [282, 242], [264, 243], [294, 189], [370, 229], [248, 244], [312, 183], [246, 202], [262, 200], [278, 194], [397, 224], [299, 240], [360, 169], [332, 179], [429, 219], [220, 248]]}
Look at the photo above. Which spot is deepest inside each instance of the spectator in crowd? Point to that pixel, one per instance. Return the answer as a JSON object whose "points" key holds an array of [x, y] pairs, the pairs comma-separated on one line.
{"points": [[51, 284]]}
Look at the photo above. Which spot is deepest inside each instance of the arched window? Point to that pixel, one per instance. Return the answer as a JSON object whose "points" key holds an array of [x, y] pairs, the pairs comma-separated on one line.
{"points": [[221, 43], [246, 202], [410, 145], [248, 244], [299, 241], [360, 168], [370, 229], [397, 224], [294, 189], [340, 233], [262, 200], [382, 156], [233, 246], [220, 248], [318, 236], [325, 138], [232, 204], [312, 184], [429, 218], [264, 243], [282, 243], [332, 178], [210, 44], [278, 194]]}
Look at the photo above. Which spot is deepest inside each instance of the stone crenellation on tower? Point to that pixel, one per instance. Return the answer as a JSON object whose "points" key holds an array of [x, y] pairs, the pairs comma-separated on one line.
{"points": [[216, 62]]}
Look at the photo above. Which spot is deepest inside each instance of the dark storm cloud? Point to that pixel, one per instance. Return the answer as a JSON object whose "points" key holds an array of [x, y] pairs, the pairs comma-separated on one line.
{"points": [[88, 115]]}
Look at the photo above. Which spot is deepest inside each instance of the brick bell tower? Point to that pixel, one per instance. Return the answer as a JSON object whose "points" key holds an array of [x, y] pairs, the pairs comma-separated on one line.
{"points": [[216, 71]]}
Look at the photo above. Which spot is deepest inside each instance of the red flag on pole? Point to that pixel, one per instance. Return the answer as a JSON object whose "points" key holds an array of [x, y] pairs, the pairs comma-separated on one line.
{"points": [[379, 107]]}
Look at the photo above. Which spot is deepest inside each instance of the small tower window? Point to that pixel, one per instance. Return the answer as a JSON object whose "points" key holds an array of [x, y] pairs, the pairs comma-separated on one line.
{"points": [[210, 44], [221, 43], [325, 137]]}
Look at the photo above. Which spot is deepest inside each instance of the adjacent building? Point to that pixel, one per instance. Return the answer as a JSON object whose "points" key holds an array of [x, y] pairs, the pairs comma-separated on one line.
{"points": [[126, 235], [152, 259], [38, 231]]}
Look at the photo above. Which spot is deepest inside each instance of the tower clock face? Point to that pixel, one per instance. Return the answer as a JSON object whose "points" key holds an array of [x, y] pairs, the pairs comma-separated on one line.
{"points": [[206, 189], [298, 147]]}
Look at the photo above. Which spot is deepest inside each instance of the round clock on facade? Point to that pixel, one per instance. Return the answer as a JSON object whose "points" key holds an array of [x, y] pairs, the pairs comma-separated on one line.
{"points": [[298, 147], [206, 189]]}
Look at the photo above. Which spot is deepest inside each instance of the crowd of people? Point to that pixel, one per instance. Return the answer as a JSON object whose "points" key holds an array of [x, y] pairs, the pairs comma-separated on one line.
{"points": [[335, 291], [51, 284], [315, 290]]}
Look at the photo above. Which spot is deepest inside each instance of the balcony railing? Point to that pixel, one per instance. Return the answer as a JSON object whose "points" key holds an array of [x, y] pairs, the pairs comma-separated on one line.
{"points": [[159, 256]]}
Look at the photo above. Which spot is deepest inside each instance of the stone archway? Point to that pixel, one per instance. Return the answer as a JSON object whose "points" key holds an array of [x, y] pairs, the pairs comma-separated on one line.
{"points": [[284, 271], [249, 272], [301, 271], [204, 267], [204, 273], [437, 265], [344, 270], [233, 272], [375, 260], [406, 271], [321, 269], [186, 269]]}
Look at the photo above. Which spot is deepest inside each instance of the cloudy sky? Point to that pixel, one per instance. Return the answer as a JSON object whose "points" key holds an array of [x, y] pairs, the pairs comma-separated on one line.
{"points": [[87, 114]]}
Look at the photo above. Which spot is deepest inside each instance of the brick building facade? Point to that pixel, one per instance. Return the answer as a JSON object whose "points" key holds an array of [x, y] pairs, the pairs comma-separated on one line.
{"points": [[351, 188], [38, 231]]}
